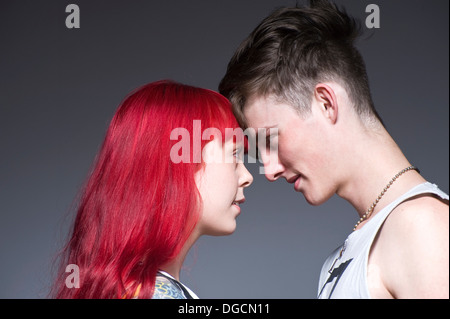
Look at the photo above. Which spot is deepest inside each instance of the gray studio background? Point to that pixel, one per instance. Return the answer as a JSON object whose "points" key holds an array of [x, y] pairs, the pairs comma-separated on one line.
{"points": [[59, 88]]}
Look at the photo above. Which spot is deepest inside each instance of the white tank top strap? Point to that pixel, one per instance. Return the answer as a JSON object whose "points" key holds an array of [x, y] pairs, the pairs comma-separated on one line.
{"points": [[344, 273]]}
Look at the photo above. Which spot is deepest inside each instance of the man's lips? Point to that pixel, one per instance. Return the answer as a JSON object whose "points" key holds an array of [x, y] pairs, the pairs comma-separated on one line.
{"points": [[293, 179], [296, 181]]}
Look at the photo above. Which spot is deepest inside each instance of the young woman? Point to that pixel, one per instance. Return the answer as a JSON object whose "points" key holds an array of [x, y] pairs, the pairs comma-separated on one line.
{"points": [[159, 183]]}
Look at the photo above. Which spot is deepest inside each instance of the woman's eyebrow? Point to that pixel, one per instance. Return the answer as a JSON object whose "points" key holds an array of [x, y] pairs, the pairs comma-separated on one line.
{"points": [[238, 146]]}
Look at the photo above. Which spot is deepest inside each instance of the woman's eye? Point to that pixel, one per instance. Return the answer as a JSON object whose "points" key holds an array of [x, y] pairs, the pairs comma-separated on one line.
{"points": [[238, 154]]}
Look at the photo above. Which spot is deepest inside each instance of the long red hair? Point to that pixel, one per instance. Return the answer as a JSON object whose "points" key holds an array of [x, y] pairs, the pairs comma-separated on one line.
{"points": [[138, 208]]}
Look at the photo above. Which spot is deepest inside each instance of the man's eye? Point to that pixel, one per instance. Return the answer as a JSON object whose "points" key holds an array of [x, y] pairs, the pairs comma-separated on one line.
{"points": [[271, 142], [268, 137]]}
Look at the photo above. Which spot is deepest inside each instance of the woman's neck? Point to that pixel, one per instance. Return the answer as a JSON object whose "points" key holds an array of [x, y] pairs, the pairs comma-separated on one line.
{"points": [[173, 267]]}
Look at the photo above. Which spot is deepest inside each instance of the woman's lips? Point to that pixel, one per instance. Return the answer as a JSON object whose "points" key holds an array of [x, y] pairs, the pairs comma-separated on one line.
{"points": [[237, 204], [237, 207]]}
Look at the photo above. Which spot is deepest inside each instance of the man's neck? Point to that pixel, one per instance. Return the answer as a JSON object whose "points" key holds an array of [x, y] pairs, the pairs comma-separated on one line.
{"points": [[377, 159]]}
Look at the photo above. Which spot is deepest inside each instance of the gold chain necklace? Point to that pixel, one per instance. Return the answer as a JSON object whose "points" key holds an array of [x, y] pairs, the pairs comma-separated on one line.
{"points": [[371, 208]]}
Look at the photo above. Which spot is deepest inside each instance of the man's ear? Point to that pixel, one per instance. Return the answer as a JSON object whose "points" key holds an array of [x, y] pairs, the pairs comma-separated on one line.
{"points": [[326, 99]]}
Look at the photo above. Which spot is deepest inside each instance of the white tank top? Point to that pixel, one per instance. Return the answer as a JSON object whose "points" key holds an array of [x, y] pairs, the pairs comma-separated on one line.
{"points": [[344, 273]]}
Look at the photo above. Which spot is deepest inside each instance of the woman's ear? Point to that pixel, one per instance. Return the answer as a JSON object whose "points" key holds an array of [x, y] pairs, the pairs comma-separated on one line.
{"points": [[327, 101]]}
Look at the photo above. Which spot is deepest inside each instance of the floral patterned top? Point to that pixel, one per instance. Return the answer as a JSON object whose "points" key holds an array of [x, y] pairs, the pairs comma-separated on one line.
{"points": [[167, 287]]}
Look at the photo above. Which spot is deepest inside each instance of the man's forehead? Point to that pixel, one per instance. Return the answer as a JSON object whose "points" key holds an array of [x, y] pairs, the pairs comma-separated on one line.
{"points": [[261, 111]]}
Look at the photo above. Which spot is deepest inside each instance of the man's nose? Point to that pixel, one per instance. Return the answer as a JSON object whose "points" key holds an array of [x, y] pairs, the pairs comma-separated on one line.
{"points": [[273, 168]]}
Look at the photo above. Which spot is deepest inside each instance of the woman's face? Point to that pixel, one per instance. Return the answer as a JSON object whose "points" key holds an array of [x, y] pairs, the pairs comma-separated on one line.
{"points": [[221, 185]]}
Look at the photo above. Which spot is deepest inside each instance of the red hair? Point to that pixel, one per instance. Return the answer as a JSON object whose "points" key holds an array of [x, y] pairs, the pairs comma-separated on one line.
{"points": [[138, 208]]}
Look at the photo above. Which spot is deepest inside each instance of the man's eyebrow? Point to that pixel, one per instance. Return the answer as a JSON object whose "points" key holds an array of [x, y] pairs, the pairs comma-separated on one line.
{"points": [[267, 130]]}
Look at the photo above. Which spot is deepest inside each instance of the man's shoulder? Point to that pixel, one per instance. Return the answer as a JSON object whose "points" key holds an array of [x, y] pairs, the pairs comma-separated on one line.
{"points": [[420, 213], [417, 221], [414, 242]]}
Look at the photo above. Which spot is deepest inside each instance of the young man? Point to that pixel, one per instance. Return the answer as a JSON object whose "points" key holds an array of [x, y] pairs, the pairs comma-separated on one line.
{"points": [[299, 75]]}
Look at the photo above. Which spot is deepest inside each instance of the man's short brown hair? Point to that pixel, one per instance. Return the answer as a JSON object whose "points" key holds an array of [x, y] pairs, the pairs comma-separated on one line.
{"points": [[294, 49]]}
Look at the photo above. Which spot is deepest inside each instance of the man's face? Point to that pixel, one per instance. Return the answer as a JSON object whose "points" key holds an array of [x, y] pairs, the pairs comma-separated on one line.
{"points": [[300, 152]]}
